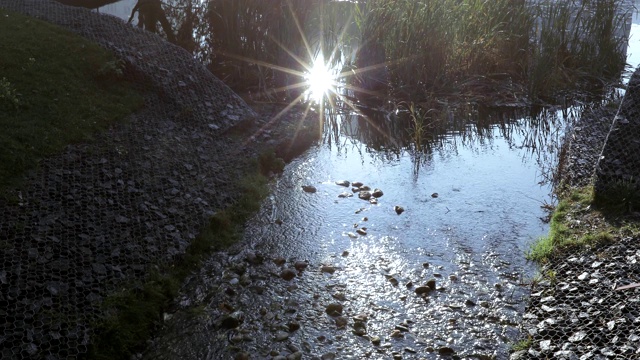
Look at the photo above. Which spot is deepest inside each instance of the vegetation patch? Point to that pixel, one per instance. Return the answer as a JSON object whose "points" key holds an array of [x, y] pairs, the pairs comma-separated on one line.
{"points": [[56, 88], [580, 220], [132, 315]]}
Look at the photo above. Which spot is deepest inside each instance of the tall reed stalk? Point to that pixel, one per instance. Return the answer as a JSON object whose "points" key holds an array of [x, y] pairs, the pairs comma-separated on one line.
{"points": [[440, 47]]}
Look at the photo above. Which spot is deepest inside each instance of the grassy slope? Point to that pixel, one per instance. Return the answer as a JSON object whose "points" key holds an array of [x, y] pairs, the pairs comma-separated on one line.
{"points": [[56, 88]]}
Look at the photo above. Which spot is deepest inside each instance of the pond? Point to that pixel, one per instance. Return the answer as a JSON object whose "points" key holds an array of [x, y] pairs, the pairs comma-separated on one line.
{"points": [[474, 200]]}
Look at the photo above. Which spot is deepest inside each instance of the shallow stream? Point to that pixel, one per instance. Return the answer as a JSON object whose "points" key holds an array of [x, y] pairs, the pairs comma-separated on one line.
{"points": [[473, 205]]}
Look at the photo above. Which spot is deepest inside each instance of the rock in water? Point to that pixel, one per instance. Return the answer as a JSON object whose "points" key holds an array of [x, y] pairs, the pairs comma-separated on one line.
{"points": [[364, 195], [309, 188], [399, 209], [287, 274], [334, 309], [377, 193], [421, 290], [344, 183]]}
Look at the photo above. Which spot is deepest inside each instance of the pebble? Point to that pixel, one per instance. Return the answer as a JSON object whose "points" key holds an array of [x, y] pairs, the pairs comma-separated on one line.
{"points": [[293, 326], [328, 356], [341, 322], [328, 269], [364, 195], [423, 290], [287, 274], [431, 283], [282, 336], [309, 188], [334, 309]]}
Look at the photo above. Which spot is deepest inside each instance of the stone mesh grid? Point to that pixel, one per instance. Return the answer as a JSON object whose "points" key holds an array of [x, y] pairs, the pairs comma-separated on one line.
{"points": [[619, 165], [578, 314], [100, 215], [578, 310]]}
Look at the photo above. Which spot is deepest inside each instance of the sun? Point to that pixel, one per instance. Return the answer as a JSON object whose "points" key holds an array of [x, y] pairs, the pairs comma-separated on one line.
{"points": [[320, 81]]}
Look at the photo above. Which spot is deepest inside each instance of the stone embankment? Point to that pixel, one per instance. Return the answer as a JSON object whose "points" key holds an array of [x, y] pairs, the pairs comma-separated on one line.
{"points": [[99, 216], [580, 308]]}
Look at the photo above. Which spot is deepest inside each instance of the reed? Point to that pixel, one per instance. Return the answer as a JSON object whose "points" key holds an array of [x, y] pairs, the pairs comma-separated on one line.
{"points": [[439, 47]]}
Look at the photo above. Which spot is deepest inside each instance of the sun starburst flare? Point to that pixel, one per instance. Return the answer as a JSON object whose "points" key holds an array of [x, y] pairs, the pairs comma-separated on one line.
{"points": [[322, 83]]}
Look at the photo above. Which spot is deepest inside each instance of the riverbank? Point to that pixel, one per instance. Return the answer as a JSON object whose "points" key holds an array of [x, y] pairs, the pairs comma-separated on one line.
{"points": [[579, 307], [105, 224]]}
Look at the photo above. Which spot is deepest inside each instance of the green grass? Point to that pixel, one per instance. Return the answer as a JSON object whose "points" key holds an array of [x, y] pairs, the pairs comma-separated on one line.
{"points": [[56, 88], [580, 220]]}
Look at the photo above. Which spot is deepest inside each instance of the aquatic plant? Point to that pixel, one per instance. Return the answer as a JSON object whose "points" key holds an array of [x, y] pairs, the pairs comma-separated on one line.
{"points": [[435, 48]]}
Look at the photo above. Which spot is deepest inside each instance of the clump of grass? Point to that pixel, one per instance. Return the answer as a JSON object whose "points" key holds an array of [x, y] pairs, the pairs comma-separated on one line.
{"points": [[51, 93], [132, 314], [419, 121], [621, 197], [523, 344], [561, 233], [580, 221]]}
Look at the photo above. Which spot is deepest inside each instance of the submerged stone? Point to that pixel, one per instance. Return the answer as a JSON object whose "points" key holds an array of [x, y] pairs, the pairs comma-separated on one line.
{"points": [[334, 309], [309, 188]]}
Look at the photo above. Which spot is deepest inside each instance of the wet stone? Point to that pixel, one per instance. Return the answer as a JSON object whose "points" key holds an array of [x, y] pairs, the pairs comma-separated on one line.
{"points": [[446, 351], [334, 309], [287, 274], [328, 269], [344, 183], [293, 326], [300, 265], [364, 195], [328, 356], [431, 283], [423, 290], [281, 336], [309, 188], [398, 209], [341, 322]]}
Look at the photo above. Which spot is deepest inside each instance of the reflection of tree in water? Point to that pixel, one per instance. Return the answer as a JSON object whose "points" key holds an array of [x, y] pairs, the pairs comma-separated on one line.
{"points": [[536, 132]]}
